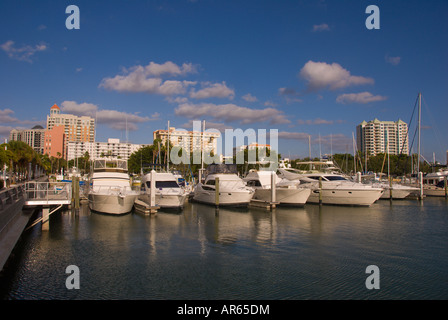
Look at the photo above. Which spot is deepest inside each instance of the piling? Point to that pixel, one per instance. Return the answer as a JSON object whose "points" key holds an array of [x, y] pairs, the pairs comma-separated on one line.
{"points": [[446, 186], [273, 190], [320, 190], [420, 182], [217, 192]]}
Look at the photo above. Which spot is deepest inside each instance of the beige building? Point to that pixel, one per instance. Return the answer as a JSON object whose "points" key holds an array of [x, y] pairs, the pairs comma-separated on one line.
{"points": [[34, 137], [189, 141], [383, 136]]}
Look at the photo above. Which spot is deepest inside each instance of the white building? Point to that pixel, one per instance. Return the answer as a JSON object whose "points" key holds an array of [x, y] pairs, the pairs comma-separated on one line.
{"points": [[189, 140], [113, 148], [383, 136]]}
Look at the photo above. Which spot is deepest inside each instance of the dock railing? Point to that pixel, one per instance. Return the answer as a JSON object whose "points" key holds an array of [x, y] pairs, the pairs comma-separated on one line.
{"points": [[47, 193]]}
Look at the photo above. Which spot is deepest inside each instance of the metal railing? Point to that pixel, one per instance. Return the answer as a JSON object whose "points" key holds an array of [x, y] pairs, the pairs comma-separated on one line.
{"points": [[47, 192]]}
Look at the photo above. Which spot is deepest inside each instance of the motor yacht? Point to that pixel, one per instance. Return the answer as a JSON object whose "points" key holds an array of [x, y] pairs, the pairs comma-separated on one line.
{"points": [[168, 193], [286, 192], [335, 188], [232, 189], [110, 187]]}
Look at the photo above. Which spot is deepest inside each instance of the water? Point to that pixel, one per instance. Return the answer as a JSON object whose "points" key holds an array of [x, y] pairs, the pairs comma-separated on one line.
{"points": [[316, 252]]}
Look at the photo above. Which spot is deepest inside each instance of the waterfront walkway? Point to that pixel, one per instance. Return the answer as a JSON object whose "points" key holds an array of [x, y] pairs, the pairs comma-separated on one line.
{"points": [[19, 202]]}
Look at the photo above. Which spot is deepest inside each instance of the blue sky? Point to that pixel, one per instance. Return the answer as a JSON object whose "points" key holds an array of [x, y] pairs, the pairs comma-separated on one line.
{"points": [[305, 68]]}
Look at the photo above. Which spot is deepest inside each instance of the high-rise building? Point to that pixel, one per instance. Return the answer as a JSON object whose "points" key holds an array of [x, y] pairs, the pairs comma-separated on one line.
{"points": [[77, 129], [377, 136], [34, 137], [189, 141]]}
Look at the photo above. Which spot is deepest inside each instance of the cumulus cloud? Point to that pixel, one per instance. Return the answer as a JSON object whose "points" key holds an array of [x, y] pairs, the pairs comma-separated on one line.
{"points": [[148, 79], [23, 53], [114, 119], [249, 98], [6, 116], [321, 75], [213, 90], [318, 121], [321, 27], [393, 60], [231, 113], [362, 97]]}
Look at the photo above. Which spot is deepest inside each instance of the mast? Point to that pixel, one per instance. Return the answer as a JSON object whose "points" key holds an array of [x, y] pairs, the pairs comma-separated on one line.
{"points": [[168, 149], [419, 124]]}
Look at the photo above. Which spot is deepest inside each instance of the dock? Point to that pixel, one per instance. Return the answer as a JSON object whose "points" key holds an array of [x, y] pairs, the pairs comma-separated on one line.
{"points": [[18, 204], [143, 207]]}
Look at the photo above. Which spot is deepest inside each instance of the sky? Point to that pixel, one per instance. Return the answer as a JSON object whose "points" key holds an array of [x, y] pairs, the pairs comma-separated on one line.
{"points": [[310, 69]]}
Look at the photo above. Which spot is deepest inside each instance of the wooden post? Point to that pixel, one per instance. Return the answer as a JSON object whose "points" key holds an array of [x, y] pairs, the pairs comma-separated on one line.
{"points": [[152, 192], [446, 187], [273, 190], [390, 188], [76, 190], [320, 190], [420, 181], [217, 192], [45, 223]]}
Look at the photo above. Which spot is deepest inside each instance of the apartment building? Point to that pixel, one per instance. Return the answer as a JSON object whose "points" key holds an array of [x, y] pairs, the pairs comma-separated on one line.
{"points": [[111, 148], [189, 140], [377, 136], [34, 137]]}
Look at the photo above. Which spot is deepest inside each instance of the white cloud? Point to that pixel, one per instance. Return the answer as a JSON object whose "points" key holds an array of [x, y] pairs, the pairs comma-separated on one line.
{"points": [[23, 53], [115, 119], [318, 121], [249, 98], [321, 75], [293, 135], [393, 60], [231, 112], [147, 79], [6, 116], [213, 90], [321, 27], [362, 97]]}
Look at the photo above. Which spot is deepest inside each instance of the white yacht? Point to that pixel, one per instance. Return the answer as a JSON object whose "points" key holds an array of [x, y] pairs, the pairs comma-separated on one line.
{"points": [[433, 183], [399, 191], [336, 189], [286, 192], [232, 189], [110, 187], [168, 193]]}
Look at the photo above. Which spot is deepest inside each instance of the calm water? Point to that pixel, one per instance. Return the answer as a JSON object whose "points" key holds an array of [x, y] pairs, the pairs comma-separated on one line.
{"points": [[307, 253]]}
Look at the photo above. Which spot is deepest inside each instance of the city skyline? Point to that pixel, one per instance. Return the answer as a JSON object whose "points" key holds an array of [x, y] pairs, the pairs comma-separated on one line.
{"points": [[305, 68]]}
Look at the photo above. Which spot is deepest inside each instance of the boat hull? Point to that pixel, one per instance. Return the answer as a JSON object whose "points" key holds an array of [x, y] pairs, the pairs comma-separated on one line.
{"points": [[433, 191], [346, 197], [284, 196], [233, 198], [111, 204], [167, 201]]}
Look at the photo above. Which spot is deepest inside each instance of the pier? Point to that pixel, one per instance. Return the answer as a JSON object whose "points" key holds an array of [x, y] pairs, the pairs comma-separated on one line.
{"points": [[18, 204]]}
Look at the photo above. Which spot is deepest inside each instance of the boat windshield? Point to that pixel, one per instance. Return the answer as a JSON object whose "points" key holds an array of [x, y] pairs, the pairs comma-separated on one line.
{"points": [[163, 184], [335, 178]]}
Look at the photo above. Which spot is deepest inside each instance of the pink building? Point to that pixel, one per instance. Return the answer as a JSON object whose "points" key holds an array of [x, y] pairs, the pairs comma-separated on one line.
{"points": [[55, 142]]}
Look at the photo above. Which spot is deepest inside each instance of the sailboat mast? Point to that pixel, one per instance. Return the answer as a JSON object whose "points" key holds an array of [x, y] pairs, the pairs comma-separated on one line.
{"points": [[168, 149], [419, 125]]}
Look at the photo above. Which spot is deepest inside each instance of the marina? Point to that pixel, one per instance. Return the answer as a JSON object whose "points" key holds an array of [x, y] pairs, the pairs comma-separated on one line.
{"points": [[312, 252]]}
